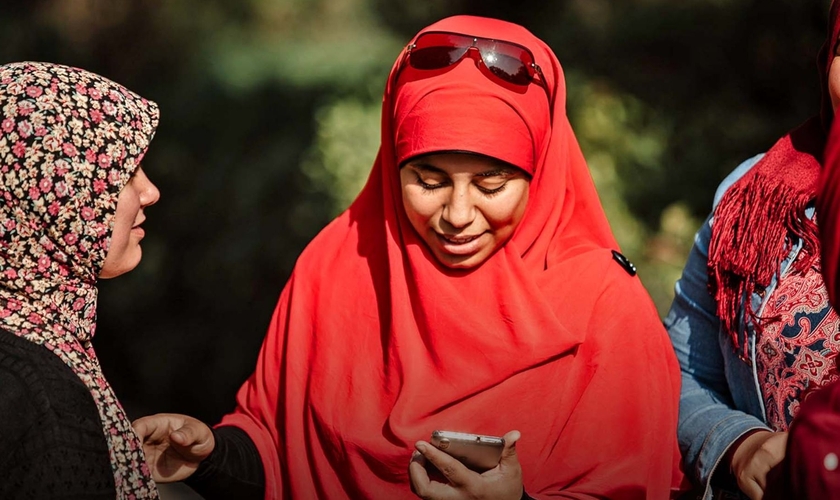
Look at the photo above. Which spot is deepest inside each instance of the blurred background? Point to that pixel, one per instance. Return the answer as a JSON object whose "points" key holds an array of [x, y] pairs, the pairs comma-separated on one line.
{"points": [[270, 124]]}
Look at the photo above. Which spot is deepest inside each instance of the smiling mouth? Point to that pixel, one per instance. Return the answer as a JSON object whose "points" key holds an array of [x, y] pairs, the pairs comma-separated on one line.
{"points": [[458, 240]]}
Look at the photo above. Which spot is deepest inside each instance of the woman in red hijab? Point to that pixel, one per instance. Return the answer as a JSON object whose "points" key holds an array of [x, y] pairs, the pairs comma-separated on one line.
{"points": [[472, 286]]}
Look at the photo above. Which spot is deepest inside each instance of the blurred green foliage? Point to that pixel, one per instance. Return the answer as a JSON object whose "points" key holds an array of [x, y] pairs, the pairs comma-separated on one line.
{"points": [[270, 123]]}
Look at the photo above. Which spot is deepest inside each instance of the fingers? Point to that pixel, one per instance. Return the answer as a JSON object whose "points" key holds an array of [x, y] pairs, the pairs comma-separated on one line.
{"points": [[192, 438], [509, 457], [752, 490], [154, 428], [417, 474], [454, 471]]}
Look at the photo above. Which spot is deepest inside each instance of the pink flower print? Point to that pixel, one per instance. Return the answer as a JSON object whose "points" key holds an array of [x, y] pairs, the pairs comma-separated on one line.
{"points": [[99, 186], [88, 213], [114, 176], [43, 263], [51, 142], [14, 305], [8, 125], [5, 313], [34, 193], [25, 108], [41, 131], [96, 116], [10, 224], [95, 94], [104, 160], [34, 319], [90, 156], [10, 274], [71, 238], [81, 89], [109, 108], [78, 304], [61, 189], [33, 91], [25, 129], [19, 149], [14, 88], [45, 185], [61, 167], [69, 149]]}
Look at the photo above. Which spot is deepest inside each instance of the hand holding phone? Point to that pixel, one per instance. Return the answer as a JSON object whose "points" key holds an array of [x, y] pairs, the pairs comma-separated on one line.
{"points": [[476, 451]]}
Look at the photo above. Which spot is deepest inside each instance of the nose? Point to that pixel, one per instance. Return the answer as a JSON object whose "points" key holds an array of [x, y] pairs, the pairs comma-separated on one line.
{"points": [[149, 193], [459, 210]]}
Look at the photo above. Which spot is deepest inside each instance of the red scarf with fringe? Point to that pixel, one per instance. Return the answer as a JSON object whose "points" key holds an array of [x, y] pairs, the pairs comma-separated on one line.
{"points": [[760, 216]]}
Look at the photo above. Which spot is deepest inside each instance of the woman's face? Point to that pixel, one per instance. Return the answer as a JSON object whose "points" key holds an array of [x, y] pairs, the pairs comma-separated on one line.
{"points": [[464, 206], [125, 252]]}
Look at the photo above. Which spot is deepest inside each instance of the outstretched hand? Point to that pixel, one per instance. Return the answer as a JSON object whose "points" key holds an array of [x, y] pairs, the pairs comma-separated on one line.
{"points": [[503, 482], [174, 444]]}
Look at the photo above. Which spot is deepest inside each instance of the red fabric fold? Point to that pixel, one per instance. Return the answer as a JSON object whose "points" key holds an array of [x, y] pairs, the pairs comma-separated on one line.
{"points": [[374, 344]]}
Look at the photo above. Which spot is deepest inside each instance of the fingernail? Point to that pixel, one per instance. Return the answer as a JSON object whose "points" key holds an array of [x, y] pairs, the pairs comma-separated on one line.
{"points": [[415, 454]]}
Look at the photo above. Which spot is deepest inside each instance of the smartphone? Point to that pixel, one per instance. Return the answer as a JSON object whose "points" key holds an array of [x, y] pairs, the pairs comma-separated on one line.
{"points": [[479, 453]]}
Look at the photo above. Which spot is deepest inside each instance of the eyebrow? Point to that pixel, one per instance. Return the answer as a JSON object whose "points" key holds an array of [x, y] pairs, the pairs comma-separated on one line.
{"points": [[496, 172]]}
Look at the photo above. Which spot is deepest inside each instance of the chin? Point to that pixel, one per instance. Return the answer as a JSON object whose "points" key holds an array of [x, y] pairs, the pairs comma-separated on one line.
{"points": [[461, 262]]}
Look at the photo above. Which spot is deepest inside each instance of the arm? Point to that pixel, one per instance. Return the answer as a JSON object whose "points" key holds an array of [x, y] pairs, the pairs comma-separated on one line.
{"points": [[233, 469], [221, 463], [708, 422]]}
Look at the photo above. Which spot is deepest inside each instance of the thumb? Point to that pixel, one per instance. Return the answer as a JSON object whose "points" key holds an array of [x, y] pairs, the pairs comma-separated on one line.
{"points": [[509, 452], [194, 439]]}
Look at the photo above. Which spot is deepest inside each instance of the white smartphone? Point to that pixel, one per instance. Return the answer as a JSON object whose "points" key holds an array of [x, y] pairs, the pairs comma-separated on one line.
{"points": [[478, 452]]}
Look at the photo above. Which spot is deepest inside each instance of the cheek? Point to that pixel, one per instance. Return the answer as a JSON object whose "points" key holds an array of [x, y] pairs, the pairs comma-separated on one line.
{"points": [[834, 84], [420, 207], [507, 211]]}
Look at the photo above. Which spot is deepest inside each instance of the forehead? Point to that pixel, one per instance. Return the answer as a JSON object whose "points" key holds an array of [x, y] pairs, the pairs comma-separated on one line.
{"points": [[453, 163]]}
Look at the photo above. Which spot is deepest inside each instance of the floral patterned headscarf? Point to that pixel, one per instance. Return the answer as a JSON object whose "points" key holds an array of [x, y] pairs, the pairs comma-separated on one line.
{"points": [[70, 140]]}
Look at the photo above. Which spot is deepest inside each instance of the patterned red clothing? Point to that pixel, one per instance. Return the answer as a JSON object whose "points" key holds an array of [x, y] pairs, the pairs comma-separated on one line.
{"points": [[796, 346]]}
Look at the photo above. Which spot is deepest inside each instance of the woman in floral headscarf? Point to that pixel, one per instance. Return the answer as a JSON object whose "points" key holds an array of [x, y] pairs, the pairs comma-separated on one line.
{"points": [[71, 143]]}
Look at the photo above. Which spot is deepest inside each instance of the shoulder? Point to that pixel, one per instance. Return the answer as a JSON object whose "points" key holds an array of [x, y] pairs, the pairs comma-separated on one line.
{"points": [[51, 439], [733, 177]]}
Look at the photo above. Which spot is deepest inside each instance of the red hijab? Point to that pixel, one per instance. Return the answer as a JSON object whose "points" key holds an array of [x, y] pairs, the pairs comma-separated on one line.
{"points": [[374, 344], [756, 217]]}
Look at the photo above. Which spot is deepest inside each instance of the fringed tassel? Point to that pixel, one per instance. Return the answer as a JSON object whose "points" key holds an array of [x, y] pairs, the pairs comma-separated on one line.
{"points": [[750, 238]]}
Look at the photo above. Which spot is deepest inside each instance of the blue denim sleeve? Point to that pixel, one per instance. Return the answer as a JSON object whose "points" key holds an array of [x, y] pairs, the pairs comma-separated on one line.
{"points": [[708, 421]]}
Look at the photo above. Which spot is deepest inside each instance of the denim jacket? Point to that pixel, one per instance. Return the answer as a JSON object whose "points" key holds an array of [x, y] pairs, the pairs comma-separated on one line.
{"points": [[720, 398]]}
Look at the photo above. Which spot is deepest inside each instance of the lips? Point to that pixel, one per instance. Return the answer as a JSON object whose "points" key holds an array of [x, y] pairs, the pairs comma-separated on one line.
{"points": [[459, 240], [461, 245]]}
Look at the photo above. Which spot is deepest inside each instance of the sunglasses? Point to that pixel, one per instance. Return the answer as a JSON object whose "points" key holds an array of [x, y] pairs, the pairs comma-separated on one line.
{"points": [[509, 62]]}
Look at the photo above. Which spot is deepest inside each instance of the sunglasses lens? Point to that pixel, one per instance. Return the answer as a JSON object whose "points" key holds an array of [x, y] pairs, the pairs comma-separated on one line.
{"points": [[507, 61], [507, 68], [436, 57], [436, 50]]}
